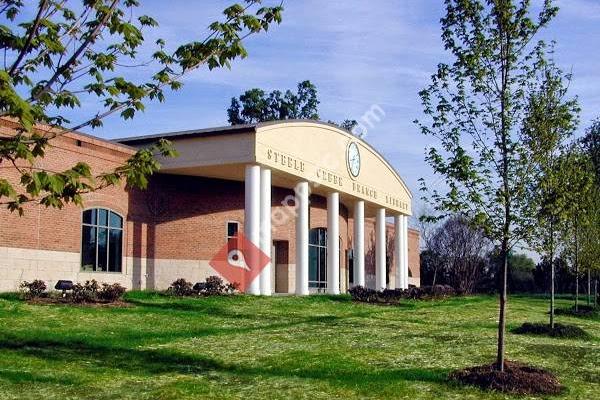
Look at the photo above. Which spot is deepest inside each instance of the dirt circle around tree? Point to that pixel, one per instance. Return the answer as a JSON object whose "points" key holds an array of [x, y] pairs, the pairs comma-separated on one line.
{"points": [[517, 378]]}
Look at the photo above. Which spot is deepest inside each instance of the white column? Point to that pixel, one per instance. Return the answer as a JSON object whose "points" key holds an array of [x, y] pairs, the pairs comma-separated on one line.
{"points": [[302, 238], [398, 254], [359, 243], [333, 243], [265, 229], [252, 215], [380, 250], [405, 250]]}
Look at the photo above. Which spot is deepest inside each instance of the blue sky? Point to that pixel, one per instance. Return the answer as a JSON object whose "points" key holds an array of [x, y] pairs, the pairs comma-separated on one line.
{"points": [[358, 53]]}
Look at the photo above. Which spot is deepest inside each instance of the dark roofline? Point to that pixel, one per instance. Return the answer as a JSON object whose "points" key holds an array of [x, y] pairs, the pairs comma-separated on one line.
{"points": [[219, 130], [192, 133], [87, 137]]}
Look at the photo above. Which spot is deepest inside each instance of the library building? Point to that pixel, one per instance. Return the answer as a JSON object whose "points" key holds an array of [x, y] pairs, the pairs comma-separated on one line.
{"points": [[322, 207]]}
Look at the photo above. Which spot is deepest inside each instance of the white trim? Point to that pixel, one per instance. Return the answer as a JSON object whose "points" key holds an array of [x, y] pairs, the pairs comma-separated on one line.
{"points": [[231, 221], [333, 243], [359, 243], [380, 250]]}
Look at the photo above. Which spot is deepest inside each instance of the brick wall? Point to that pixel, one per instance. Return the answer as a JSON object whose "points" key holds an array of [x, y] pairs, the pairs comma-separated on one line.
{"points": [[53, 229]]}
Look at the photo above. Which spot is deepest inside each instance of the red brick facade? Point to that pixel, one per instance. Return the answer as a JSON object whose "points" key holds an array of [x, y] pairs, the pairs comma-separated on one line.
{"points": [[177, 218]]}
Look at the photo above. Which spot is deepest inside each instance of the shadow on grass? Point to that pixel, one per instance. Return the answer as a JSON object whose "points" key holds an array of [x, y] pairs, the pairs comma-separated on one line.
{"points": [[561, 352], [323, 298], [11, 296], [584, 311], [189, 306], [335, 370], [136, 337], [24, 377]]}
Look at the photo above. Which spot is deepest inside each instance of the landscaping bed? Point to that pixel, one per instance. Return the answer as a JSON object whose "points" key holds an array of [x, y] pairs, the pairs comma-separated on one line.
{"points": [[517, 378], [88, 293], [394, 296], [57, 299]]}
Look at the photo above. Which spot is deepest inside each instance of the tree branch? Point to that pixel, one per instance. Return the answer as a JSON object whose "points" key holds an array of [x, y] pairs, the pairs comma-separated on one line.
{"points": [[63, 68], [30, 36]]}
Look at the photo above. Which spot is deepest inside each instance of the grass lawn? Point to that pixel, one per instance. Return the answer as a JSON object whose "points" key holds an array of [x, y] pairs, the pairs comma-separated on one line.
{"points": [[274, 348]]}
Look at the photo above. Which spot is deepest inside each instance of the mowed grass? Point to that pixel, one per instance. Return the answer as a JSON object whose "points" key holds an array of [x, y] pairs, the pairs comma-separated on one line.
{"points": [[315, 347]]}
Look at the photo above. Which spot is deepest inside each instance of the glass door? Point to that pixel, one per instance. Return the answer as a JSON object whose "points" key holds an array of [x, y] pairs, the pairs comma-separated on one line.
{"points": [[317, 259]]}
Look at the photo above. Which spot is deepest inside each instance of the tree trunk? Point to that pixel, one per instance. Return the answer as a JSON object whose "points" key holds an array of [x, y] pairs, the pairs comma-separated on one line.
{"points": [[596, 293], [552, 274], [576, 289], [505, 132], [551, 294], [576, 266], [589, 286], [503, 300]]}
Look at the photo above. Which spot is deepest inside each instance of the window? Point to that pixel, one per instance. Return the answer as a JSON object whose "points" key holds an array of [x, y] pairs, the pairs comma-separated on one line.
{"points": [[350, 257], [232, 231], [317, 259], [101, 241]]}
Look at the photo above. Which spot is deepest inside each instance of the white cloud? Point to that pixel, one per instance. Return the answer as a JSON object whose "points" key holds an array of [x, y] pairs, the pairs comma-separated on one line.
{"points": [[358, 53]]}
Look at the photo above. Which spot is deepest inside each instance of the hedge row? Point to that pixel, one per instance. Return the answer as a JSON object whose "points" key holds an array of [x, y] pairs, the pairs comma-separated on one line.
{"points": [[393, 296]]}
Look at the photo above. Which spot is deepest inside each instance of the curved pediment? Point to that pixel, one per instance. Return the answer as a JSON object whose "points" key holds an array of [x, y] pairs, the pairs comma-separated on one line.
{"points": [[319, 153], [295, 150]]}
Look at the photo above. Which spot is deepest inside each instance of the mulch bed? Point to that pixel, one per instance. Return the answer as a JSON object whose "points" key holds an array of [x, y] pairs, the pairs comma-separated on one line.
{"points": [[517, 378], [559, 331], [66, 301]]}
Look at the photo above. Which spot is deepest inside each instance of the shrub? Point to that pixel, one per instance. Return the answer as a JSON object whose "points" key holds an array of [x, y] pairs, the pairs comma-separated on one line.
{"points": [[111, 293], [361, 293], [199, 287], [214, 286], [391, 296], [181, 287], [429, 292], [86, 293], [440, 291], [34, 289], [232, 287]]}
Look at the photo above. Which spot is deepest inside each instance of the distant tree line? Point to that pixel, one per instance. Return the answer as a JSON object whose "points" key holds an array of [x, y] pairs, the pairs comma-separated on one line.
{"points": [[255, 105], [457, 254]]}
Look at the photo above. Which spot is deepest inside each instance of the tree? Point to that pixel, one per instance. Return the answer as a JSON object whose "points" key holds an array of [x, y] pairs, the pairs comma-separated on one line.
{"points": [[581, 228], [255, 105], [521, 269], [563, 275], [590, 246], [63, 53], [590, 243], [476, 106], [347, 124], [551, 119], [591, 144], [458, 252]]}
